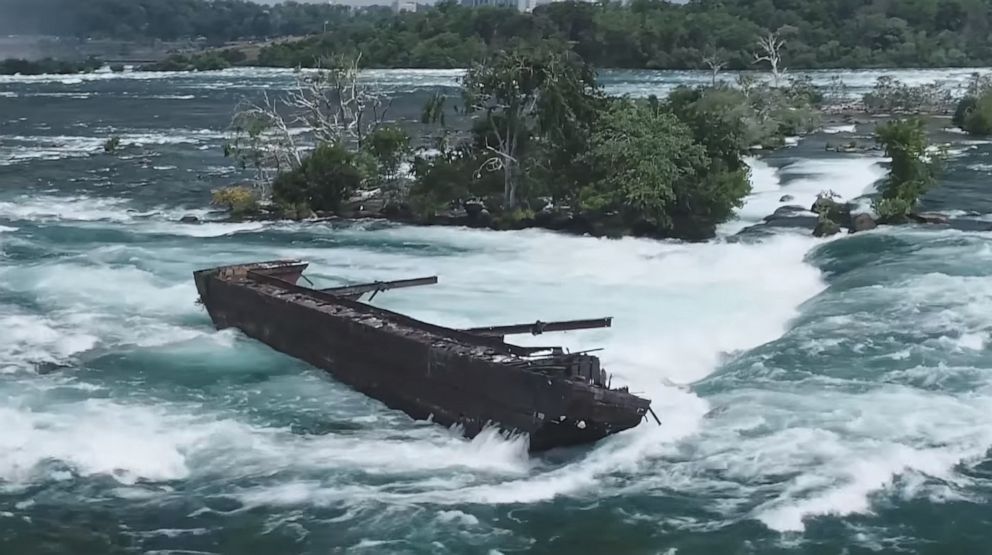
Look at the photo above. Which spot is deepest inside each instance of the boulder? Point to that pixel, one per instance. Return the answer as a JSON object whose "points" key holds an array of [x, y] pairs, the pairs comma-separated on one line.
{"points": [[189, 219], [396, 211], [484, 218], [560, 218], [48, 367], [454, 216], [826, 228], [862, 222], [787, 198], [837, 212], [798, 221], [473, 207]]}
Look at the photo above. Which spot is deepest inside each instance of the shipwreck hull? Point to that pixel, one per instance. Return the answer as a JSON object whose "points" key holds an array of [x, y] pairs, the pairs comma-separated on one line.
{"points": [[426, 371]]}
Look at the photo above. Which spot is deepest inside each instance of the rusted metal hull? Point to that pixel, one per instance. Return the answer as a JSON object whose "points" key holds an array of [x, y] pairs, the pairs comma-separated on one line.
{"points": [[424, 370]]}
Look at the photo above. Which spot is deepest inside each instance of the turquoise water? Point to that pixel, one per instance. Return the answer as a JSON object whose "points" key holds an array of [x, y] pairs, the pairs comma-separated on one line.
{"points": [[818, 396]]}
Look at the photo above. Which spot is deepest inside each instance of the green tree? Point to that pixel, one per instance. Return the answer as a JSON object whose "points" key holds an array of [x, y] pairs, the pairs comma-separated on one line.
{"points": [[390, 148], [519, 94], [913, 170], [652, 173]]}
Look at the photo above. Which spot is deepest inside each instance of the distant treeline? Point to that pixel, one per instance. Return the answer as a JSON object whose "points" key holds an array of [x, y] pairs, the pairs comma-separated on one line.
{"points": [[643, 34], [15, 66]]}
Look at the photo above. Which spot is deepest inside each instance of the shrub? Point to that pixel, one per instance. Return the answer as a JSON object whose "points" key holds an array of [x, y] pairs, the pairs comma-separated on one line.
{"points": [[892, 210], [112, 144], [209, 62], [233, 55], [974, 114], [389, 147], [327, 177], [14, 66], [448, 177], [913, 170], [240, 200], [893, 96]]}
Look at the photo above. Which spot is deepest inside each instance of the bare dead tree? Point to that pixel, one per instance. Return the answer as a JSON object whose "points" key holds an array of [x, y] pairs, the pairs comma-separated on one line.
{"points": [[328, 106], [334, 105], [716, 63], [262, 140], [771, 51]]}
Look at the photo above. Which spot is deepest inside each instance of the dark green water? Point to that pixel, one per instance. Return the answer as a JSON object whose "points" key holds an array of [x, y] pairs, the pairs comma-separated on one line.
{"points": [[823, 397]]}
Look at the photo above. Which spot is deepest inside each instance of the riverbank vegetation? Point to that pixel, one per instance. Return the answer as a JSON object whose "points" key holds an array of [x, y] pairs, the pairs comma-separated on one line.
{"points": [[18, 66], [642, 34]]}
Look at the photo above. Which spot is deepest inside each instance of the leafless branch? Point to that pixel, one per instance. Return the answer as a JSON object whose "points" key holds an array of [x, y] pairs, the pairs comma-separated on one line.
{"points": [[771, 51]]}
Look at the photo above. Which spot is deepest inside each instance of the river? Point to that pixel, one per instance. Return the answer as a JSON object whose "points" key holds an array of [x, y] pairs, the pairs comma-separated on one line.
{"points": [[817, 396]]}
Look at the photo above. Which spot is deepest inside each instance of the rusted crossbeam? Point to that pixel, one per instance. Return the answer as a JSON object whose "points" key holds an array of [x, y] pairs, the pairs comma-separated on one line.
{"points": [[355, 291], [539, 327]]}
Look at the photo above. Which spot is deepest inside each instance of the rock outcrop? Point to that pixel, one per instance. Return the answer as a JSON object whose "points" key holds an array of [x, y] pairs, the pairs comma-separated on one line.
{"points": [[862, 222], [826, 228], [928, 218]]}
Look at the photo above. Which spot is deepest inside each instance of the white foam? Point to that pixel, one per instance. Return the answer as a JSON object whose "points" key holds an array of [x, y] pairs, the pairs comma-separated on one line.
{"points": [[30, 339], [804, 179], [72, 208], [833, 130], [861, 448], [127, 442], [457, 517], [203, 229], [137, 291], [24, 148], [973, 341]]}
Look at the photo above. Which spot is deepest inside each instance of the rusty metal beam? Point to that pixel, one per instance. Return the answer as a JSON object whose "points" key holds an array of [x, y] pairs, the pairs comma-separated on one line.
{"points": [[355, 291], [539, 327]]}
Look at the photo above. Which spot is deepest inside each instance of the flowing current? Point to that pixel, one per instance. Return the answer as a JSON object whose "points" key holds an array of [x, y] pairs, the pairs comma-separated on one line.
{"points": [[817, 396]]}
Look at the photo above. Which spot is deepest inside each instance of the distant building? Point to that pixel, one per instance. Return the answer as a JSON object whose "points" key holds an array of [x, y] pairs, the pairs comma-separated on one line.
{"points": [[522, 5], [404, 6], [545, 2], [492, 3]]}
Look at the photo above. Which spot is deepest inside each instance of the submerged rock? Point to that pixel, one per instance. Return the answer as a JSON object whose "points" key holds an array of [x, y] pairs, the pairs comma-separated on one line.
{"points": [[928, 218], [189, 219], [559, 219], [862, 222], [789, 211], [48, 367], [473, 207], [826, 228], [787, 198]]}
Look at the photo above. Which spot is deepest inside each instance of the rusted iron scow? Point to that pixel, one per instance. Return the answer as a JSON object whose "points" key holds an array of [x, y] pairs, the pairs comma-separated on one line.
{"points": [[472, 378]]}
